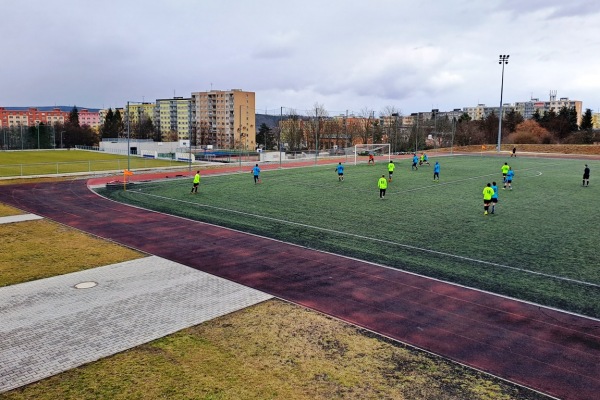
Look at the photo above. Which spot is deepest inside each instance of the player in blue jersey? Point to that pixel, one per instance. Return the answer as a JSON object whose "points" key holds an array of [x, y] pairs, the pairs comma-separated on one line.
{"points": [[494, 197], [415, 161], [340, 172], [436, 171], [256, 173], [509, 178]]}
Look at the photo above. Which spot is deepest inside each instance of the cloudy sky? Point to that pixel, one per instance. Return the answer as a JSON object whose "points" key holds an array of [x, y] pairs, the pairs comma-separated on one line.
{"points": [[341, 54]]}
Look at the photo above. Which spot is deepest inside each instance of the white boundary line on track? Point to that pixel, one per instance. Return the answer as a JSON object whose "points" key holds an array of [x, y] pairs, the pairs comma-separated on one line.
{"points": [[560, 278]]}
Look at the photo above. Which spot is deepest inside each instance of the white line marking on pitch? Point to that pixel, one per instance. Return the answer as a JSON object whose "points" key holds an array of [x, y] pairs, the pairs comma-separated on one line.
{"points": [[377, 240]]}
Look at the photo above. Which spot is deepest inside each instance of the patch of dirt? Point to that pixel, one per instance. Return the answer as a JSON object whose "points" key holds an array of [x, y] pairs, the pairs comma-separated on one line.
{"points": [[579, 149]]}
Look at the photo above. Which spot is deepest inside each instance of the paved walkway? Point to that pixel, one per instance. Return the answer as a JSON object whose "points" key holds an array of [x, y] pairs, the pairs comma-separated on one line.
{"points": [[554, 352], [19, 218], [50, 326]]}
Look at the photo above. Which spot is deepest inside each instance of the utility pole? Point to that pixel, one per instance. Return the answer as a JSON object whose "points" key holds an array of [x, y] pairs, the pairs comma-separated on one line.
{"points": [[502, 60]]}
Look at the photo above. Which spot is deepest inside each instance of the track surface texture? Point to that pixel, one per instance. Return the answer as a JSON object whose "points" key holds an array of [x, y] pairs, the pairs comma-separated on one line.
{"points": [[547, 350]]}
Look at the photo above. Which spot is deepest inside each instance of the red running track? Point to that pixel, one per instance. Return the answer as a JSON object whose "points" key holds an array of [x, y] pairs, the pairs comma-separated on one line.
{"points": [[553, 352]]}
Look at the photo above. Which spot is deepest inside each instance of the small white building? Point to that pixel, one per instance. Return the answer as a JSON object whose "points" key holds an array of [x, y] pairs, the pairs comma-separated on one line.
{"points": [[139, 146]]}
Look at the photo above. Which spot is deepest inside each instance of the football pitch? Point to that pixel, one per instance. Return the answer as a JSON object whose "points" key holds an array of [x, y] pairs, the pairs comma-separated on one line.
{"points": [[48, 162], [540, 245]]}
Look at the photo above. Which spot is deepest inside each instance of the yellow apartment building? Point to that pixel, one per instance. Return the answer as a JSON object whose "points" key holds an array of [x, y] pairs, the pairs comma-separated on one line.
{"points": [[139, 112], [173, 118]]}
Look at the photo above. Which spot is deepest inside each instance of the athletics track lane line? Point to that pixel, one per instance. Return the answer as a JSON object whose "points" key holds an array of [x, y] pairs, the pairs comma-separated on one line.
{"points": [[553, 352]]}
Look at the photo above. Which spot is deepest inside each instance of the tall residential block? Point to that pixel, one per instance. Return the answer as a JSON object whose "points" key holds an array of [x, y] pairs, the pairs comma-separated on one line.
{"points": [[225, 119], [138, 112], [173, 118]]}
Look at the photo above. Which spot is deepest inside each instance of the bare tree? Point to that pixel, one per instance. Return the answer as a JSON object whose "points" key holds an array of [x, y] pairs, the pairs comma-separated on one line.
{"points": [[292, 131], [205, 134], [391, 117], [317, 116], [368, 116]]}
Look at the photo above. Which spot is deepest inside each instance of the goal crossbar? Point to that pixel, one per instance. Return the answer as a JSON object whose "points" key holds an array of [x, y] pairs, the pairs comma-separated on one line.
{"points": [[376, 149]]}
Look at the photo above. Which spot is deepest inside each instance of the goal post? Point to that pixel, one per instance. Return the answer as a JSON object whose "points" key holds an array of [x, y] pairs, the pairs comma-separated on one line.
{"points": [[376, 149]]}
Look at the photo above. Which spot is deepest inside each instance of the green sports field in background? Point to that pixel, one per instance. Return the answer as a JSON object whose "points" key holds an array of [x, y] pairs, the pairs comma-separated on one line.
{"points": [[27, 163], [541, 245]]}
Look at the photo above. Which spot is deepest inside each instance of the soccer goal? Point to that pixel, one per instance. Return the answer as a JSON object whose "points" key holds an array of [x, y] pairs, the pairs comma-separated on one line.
{"points": [[378, 149]]}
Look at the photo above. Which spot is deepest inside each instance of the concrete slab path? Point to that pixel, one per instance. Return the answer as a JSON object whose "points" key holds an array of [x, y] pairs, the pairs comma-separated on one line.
{"points": [[49, 326]]}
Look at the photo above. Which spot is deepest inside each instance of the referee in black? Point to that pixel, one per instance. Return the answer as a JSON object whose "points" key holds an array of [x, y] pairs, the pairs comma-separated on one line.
{"points": [[586, 176]]}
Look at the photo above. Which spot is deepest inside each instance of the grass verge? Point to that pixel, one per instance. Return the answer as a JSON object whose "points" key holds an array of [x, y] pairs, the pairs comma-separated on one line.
{"points": [[41, 249]]}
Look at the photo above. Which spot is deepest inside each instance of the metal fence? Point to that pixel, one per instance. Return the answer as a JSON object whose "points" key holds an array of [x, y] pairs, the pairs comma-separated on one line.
{"points": [[74, 167]]}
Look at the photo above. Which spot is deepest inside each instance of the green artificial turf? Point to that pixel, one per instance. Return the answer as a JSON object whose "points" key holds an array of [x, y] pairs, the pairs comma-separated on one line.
{"points": [[540, 245], [27, 163]]}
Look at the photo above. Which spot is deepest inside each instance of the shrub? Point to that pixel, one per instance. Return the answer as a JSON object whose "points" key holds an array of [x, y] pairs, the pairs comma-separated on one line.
{"points": [[530, 132]]}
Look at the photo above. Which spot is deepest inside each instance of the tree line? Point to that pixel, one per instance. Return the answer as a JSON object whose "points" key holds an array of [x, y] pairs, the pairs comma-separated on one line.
{"points": [[317, 130]]}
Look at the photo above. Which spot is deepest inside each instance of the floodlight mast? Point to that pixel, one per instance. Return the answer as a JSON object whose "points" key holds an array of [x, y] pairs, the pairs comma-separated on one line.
{"points": [[503, 59]]}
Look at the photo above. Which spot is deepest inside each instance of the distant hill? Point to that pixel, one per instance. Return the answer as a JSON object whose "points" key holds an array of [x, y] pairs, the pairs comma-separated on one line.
{"points": [[50, 108], [272, 121]]}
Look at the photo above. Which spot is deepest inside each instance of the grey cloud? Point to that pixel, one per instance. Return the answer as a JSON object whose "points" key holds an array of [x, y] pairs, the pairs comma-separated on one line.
{"points": [[556, 8], [274, 52]]}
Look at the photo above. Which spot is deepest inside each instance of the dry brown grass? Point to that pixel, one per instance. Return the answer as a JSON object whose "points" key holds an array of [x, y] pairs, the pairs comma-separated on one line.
{"points": [[274, 350], [5, 210], [40, 249], [582, 149]]}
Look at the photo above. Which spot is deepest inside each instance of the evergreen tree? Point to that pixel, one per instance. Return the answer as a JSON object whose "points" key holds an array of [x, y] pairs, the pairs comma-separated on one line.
{"points": [[511, 120], [74, 117], [108, 129], [145, 128], [464, 118], [119, 126], [264, 137], [586, 121], [564, 123], [489, 128]]}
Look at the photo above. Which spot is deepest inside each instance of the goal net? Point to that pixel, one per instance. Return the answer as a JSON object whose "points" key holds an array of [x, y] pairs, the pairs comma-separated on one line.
{"points": [[377, 150]]}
